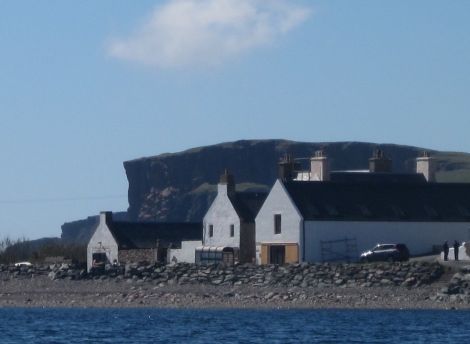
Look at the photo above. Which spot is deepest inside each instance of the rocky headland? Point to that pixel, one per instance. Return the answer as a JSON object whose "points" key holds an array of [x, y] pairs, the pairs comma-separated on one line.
{"points": [[379, 285]]}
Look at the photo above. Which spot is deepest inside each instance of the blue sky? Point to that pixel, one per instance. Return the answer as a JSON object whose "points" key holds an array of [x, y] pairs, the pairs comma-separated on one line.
{"points": [[86, 85]]}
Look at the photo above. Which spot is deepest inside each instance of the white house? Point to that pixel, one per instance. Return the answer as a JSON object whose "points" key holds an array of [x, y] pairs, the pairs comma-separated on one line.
{"points": [[118, 242], [229, 226], [348, 212]]}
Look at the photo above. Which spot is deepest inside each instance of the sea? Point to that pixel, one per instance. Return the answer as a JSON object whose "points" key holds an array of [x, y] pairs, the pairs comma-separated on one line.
{"points": [[28, 326]]}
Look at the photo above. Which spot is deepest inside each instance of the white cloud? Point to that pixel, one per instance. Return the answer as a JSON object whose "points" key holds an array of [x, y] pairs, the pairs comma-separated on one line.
{"points": [[207, 32]]}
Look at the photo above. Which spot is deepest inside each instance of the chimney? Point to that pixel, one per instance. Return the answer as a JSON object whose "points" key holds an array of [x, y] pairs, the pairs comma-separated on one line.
{"points": [[379, 163], [287, 168], [319, 167], [106, 217], [226, 184], [426, 166]]}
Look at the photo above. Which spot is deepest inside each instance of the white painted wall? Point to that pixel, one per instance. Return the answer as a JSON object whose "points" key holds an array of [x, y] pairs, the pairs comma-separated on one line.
{"points": [[186, 254], [102, 241], [221, 215], [419, 237], [277, 202]]}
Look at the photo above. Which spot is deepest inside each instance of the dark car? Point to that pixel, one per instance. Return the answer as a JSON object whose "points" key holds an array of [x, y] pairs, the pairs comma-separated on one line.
{"points": [[386, 252]]}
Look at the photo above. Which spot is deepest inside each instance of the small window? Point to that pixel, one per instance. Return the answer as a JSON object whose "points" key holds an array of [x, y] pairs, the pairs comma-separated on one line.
{"points": [[211, 231], [430, 211], [397, 211], [277, 224], [463, 210], [364, 210], [232, 230], [332, 211]]}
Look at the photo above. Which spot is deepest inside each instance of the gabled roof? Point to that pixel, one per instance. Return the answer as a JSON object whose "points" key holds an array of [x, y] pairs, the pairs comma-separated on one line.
{"points": [[381, 201], [247, 204], [141, 235]]}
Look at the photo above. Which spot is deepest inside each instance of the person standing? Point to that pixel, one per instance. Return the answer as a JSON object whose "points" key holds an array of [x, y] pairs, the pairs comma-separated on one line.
{"points": [[445, 248], [456, 250]]}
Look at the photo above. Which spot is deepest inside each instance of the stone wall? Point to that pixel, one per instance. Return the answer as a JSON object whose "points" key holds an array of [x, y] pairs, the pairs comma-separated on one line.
{"points": [[295, 275], [458, 288], [135, 256]]}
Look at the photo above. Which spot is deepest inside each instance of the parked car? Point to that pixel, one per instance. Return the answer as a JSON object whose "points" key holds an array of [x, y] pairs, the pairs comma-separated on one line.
{"points": [[23, 264], [386, 252]]}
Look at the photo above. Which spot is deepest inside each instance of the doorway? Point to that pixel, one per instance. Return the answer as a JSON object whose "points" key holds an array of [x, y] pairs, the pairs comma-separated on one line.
{"points": [[162, 255], [277, 254]]}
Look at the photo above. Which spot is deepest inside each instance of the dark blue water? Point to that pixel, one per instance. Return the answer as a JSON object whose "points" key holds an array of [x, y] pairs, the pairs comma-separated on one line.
{"points": [[50, 326]]}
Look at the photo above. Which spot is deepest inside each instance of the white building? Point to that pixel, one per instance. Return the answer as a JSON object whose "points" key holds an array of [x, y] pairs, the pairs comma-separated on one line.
{"points": [[229, 226], [348, 212], [119, 242]]}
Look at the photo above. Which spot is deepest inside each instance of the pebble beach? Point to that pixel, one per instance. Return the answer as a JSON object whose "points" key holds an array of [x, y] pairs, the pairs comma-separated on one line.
{"points": [[379, 286]]}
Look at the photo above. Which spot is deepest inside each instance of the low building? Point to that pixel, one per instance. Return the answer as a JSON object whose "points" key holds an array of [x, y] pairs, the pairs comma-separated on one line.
{"points": [[229, 225], [333, 216], [115, 242]]}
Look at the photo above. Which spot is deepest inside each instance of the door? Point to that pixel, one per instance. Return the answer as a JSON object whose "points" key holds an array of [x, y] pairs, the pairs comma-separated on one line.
{"points": [[277, 254], [162, 255], [228, 258]]}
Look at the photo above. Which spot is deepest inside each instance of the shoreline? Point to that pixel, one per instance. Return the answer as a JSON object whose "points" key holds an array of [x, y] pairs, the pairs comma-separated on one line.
{"points": [[41, 292], [408, 285]]}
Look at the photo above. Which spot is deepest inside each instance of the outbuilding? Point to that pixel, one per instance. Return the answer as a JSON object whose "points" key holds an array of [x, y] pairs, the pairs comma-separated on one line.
{"points": [[115, 242]]}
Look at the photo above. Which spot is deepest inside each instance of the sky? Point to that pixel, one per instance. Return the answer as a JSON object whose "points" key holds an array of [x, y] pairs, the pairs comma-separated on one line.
{"points": [[86, 85]]}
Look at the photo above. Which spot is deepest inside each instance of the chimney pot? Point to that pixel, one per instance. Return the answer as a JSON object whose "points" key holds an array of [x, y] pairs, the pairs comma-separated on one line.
{"points": [[319, 169], [426, 165], [379, 163], [226, 183], [287, 168]]}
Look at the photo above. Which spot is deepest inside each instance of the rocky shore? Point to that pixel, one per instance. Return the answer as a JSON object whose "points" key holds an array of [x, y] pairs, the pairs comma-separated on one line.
{"points": [[379, 285]]}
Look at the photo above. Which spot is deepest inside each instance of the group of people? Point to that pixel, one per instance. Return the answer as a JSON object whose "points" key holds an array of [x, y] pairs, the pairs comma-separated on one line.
{"points": [[446, 250]]}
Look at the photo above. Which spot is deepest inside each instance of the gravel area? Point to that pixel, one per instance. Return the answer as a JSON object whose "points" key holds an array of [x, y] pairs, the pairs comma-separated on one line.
{"points": [[41, 291]]}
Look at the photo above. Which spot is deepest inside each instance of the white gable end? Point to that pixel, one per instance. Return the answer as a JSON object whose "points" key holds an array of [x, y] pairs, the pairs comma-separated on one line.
{"points": [[102, 241], [220, 217], [278, 202]]}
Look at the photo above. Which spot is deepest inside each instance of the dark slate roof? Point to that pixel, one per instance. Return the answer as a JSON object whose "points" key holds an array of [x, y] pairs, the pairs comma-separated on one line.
{"points": [[139, 235], [247, 204], [366, 177], [372, 201]]}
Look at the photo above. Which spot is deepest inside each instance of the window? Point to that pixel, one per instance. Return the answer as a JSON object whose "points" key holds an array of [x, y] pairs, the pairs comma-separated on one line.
{"points": [[332, 211], [430, 211], [364, 210], [463, 210], [277, 224], [232, 230], [211, 231], [397, 211]]}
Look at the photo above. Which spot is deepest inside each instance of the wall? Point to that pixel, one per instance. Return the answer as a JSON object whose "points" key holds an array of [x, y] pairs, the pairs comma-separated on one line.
{"points": [[221, 215], [420, 237], [102, 241], [135, 256], [185, 254], [277, 202]]}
